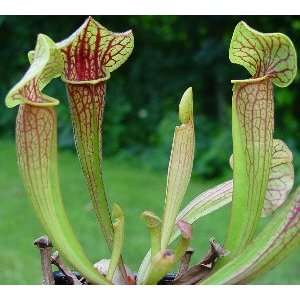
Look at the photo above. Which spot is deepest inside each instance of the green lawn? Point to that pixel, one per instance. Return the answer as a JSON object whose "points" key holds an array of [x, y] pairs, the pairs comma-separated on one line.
{"points": [[134, 188]]}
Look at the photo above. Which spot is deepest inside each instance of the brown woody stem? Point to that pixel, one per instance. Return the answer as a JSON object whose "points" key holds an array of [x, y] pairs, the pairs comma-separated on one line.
{"points": [[57, 261], [45, 245], [185, 262]]}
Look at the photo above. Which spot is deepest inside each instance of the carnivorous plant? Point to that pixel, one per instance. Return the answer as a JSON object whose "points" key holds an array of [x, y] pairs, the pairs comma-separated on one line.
{"points": [[263, 173]]}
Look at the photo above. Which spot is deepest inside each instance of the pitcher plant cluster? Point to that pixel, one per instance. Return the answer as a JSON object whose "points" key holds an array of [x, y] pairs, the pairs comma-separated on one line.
{"points": [[263, 174]]}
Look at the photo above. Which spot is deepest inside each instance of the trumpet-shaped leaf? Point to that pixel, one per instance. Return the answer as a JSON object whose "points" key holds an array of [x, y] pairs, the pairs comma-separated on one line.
{"points": [[36, 139], [90, 54], [180, 166], [154, 225], [280, 183], [252, 144], [270, 58], [271, 246]]}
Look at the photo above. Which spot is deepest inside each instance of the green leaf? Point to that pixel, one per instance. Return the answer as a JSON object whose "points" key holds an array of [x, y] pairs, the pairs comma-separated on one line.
{"points": [[90, 54], [205, 203], [270, 247], [36, 139], [179, 173], [270, 58], [252, 145], [180, 166], [280, 182]]}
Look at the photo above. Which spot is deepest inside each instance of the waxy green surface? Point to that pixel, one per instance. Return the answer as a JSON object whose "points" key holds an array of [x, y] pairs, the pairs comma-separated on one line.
{"points": [[270, 59]]}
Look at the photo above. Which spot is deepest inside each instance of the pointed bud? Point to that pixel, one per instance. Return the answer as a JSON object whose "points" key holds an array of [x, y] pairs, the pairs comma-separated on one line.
{"points": [[186, 106]]}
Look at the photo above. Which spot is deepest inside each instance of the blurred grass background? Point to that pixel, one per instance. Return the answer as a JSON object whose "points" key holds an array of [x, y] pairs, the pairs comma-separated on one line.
{"points": [[170, 54]]}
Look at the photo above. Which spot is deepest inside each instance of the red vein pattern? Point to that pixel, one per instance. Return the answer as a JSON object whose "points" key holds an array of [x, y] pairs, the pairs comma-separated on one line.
{"points": [[87, 104], [281, 178], [271, 55], [46, 64], [35, 140], [90, 55], [254, 109], [270, 59], [93, 51], [29, 91], [280, 183]]}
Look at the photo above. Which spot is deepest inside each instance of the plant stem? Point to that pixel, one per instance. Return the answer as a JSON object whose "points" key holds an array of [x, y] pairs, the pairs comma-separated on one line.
{"points": [[45, 245], [57, 261]]}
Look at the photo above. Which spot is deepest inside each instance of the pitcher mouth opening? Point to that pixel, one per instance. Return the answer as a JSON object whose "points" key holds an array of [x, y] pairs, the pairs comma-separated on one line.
{"points": [[93, 81]]}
